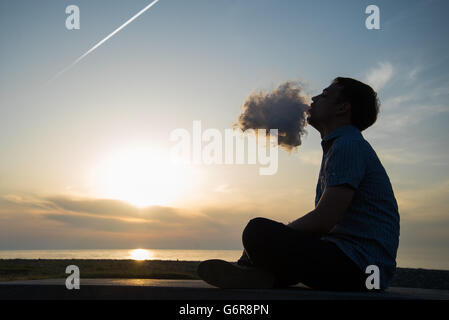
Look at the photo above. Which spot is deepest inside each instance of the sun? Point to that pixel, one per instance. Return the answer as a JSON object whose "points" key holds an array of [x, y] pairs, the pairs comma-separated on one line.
{"points": [[140, 254], [141, 176]]}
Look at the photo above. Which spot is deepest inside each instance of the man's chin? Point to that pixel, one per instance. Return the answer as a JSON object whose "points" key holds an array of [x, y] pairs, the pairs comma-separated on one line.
{"points": [[309, 122]]}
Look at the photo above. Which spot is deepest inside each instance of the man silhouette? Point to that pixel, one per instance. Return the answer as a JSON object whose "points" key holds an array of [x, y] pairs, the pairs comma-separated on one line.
{"points": [[355, 222]]}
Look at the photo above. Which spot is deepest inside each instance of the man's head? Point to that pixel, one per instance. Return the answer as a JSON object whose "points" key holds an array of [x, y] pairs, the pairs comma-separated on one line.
{"points": [[345, 101]]}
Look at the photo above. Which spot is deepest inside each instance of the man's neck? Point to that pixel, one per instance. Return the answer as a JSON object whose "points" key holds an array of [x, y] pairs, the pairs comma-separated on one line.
{"points": [[326, 130]]}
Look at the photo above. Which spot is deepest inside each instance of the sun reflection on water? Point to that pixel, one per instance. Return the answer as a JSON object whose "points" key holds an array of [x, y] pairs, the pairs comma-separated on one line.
{"points": [[140, 254]]}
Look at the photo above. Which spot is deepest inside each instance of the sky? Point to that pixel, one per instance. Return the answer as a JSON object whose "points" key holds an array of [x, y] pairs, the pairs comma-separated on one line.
{"points": [[85, 156]]}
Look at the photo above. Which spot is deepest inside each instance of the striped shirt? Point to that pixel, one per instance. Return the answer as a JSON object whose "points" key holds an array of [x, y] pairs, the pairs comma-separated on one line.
{"points": [[368, 232]]}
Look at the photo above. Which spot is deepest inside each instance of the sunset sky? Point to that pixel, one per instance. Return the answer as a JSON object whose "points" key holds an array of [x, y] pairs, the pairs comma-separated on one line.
{"points": [[85, 158]]}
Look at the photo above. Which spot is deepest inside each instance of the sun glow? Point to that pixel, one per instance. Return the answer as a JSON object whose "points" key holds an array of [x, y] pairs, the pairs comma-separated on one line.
{"points": [[142, 177], [140, 254]]}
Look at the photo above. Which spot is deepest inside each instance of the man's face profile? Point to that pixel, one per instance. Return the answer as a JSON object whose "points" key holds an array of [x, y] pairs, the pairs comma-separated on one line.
{"points": [[323, 107]]}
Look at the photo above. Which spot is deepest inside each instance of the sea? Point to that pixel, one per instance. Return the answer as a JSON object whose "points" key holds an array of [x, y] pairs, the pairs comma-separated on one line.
{"points": [[142, 254], [424, 259]]}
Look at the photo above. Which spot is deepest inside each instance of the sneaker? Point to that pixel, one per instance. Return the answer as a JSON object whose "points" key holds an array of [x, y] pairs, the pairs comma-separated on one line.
{"points": [[226, 275]]}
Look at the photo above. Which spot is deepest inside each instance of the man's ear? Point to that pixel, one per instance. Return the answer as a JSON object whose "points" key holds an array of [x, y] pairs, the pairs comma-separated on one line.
{"points": [[343, 108]]}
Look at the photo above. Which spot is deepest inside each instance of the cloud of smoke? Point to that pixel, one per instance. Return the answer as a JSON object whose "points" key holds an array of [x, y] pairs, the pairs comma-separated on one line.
{"points": [[284, 109]]}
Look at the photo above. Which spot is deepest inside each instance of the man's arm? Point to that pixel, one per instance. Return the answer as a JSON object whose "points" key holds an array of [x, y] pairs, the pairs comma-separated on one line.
{"points": [[333, 203]]}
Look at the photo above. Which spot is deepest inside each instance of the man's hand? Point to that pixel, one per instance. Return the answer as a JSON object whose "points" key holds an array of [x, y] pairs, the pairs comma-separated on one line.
{"points": [[333, 203]]}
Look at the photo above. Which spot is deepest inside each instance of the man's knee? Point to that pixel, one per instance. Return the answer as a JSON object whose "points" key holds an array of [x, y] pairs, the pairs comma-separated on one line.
{"points": [[255, 224], [253, 230]]}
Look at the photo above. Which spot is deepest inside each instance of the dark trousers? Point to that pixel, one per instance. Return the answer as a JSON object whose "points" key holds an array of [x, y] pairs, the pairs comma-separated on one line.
{"points": [[294, 256]]}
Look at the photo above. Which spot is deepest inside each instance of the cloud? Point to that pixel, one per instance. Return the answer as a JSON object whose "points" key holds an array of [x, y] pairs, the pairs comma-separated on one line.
{"points": [[395, 102], [406, 157], [311, 157], [100, 223], [284, 109], [408, 112], [378, 77], [65, 221], [412, 74], [109, 207], [223, 188], [12, 201], [402, 119], [427, 203]]}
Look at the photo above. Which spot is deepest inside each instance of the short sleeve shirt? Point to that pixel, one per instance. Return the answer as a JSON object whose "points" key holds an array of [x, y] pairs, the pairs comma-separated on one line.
{"points": [[368, 232]]}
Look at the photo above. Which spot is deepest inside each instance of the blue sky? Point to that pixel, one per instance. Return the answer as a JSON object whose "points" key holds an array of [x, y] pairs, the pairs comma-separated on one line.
{"points": [[198, 60]]}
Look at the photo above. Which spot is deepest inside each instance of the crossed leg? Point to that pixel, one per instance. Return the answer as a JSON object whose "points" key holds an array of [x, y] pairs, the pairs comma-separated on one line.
{"points": [[294, 256]]}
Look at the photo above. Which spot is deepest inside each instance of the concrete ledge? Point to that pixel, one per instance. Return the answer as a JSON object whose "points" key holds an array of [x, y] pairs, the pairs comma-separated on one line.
{"points": [[153, 289]]}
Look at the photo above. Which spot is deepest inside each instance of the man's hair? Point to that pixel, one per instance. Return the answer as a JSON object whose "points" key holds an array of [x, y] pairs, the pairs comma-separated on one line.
{"points": [[363, 100]]}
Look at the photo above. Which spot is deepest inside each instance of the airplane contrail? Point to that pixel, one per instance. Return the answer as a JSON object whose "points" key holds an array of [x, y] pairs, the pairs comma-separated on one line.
{"points": [[105, 39]]}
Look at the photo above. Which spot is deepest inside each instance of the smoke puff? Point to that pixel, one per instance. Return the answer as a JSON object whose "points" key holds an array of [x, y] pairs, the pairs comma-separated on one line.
{"points": [[284, 109]]}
